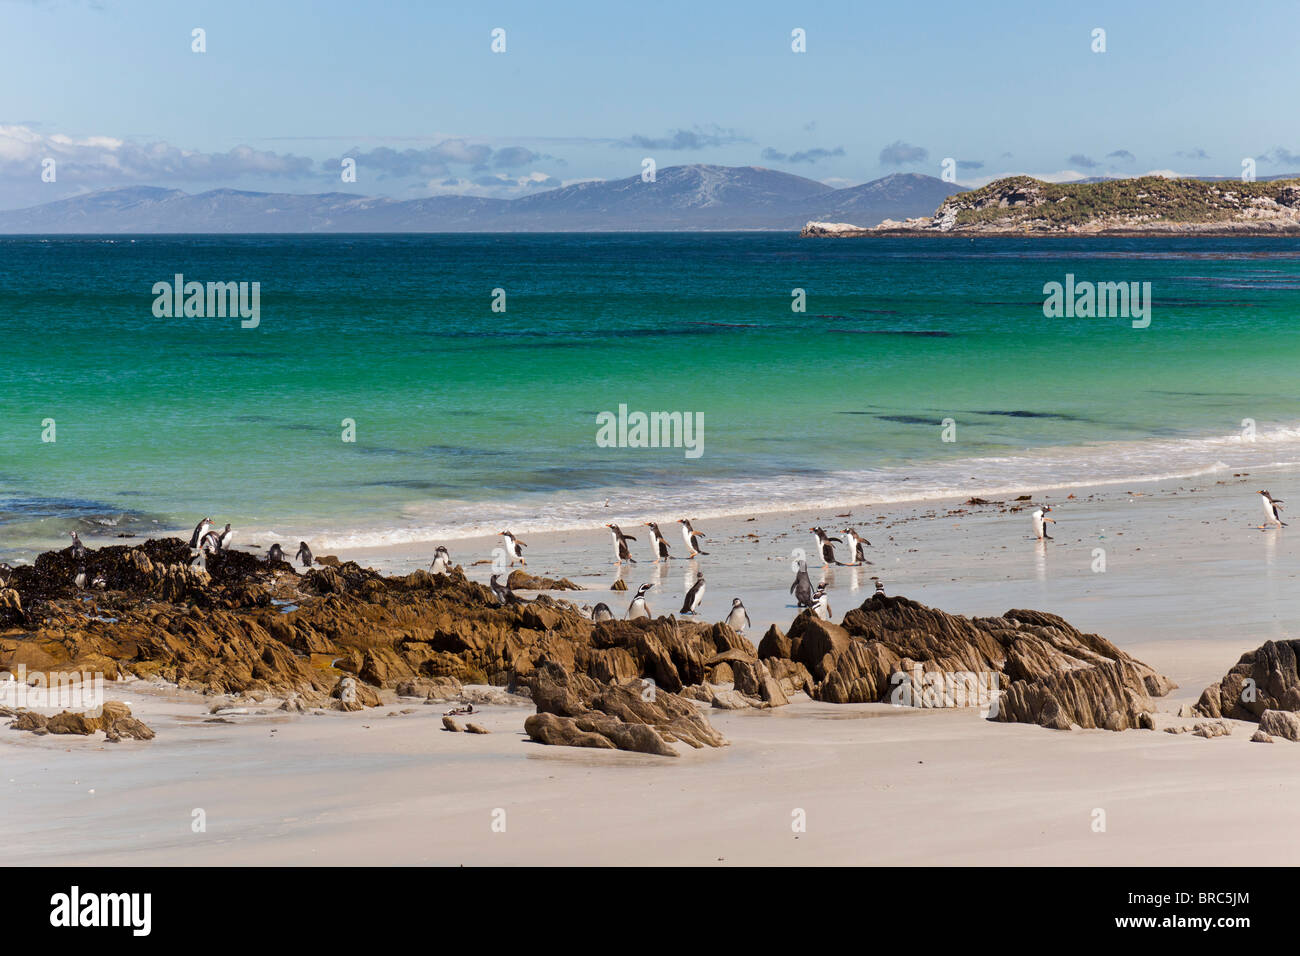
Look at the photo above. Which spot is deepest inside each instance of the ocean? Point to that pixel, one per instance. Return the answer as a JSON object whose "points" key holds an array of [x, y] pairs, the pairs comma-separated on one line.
{"points": [[921, 368]]}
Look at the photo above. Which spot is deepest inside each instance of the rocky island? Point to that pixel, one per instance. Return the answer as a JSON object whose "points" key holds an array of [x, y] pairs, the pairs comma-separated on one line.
{"points": [[1147, 205]]}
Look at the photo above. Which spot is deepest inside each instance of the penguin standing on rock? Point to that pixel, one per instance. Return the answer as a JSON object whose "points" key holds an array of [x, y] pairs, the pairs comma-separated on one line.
{"points": [[78, 549], [601, 612], [660, 545], [856, 544], [80, 579], [211, 542], [200, 529], [274, 554], [738, 619], [304, 554], [821, 605], [441, 561], [691, 537], [691, 603], [621, 551], [514, 548], [227, 538], [639, 606], [824, 546], [503, 592], [802, 587]]}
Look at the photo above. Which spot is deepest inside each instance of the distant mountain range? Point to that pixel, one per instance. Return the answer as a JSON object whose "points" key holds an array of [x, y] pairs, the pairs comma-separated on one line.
{"points": [[682, 198]]}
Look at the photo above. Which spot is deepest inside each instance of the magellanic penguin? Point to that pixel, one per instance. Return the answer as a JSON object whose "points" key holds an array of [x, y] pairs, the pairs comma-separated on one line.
{"points": [[621, 551], [78, 549], [738, 619], [880, 587], [691, 603], [227, 538], [821, 605], [1273, 511], [99, 581], [1041, 518], [275, 553], [691, 537], [802, 587], [514, 548], [660, 545], [304, 554], [824, 546], [441, 561], [200, 529], [601, 612], [639, 606], [857, 546]]}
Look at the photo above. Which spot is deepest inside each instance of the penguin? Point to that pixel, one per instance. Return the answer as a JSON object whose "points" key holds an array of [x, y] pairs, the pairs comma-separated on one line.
{"points": [[514, 548], [821, 605], [441, 561], [80, 579], [5, 572], [227, 537], [824, 546], [639, 607], [1041, 518], [691, 537], [802, 587], [660, 545], [738, 619], [99, 581], [211, 542], [200, 529], [601, 612], [274, 554], [78, 549], [1273, 511], [304, 554], [504, 593], [621, 551], [857, 554], [880, 587], [691, 603]]}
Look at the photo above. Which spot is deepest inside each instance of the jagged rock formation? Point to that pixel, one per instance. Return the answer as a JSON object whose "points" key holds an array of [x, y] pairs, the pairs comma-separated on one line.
{"points": [[894, 649], [1267, 678], [114, 720]]}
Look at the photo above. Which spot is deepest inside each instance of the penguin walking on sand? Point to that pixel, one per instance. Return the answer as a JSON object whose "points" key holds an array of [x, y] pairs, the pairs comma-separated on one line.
{"points": [[691, 603], [227, 538], [621, 551], [514, 548], [802, 587], [691, 537], [274, 554], [1272, 511], [639, 606], [200, 529], [441, 561], [660, 545], [857, 545], [1041, 519], [304, 554], [601, 612], [738, 618], [78, 549], [821, 605], [825, 547]]}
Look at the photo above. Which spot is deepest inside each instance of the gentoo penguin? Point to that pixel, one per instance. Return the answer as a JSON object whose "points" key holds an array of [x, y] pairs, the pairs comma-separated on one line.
{"points": [[80, 579], [857, 543], [821, 605], [441, 561], [1273, 510], [227, 537], [824, 546], [660, 545], [78, 549], [1041, 518], [514, 548], [601, 612], [99, 581], [200, 529], [211, 542], [738, 619], [691, 537], [304, 554], [639, 607], [274, 554], [621, 551], [802, 587], [691, 603]]}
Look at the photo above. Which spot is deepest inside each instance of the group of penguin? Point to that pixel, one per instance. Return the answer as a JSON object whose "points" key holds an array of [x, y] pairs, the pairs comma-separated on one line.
{"points": [[205, 541]]}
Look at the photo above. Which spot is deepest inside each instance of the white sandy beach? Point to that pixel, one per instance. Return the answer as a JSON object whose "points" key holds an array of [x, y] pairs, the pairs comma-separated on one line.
{"points": [[1189, 585]]}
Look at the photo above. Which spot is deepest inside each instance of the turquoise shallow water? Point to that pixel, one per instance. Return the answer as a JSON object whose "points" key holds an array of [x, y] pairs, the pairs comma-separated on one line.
{"points": [[468, 418]]}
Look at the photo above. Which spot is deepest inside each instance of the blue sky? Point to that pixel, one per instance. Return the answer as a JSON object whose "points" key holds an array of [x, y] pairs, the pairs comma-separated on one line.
{"points": [[412, 90]]}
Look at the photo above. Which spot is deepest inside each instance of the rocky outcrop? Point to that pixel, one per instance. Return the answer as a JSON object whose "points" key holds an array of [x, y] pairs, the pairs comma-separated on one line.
{"points": [[114, 719], [1025, 666], [523, 581], [1267, 678]]}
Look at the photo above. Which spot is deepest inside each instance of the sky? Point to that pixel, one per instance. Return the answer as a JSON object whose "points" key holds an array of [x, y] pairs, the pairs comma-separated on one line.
{"points": [[114, 93]]}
